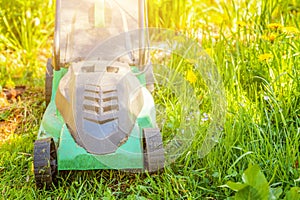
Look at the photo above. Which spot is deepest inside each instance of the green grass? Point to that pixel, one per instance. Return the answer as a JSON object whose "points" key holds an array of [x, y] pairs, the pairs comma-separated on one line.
{"points": [[262, 115], [26, 30]]}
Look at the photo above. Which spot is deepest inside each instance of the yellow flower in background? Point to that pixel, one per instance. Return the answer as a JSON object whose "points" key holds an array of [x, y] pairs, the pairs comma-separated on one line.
{"points": [[270, 37], [191, 76], [265, 57], [241, 23], [216, 36], [274, 26], [290, 30]]}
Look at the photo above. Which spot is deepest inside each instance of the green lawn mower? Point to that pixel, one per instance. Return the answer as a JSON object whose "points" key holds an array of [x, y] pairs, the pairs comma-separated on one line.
{"points": [[100, 112], [109, 107]]}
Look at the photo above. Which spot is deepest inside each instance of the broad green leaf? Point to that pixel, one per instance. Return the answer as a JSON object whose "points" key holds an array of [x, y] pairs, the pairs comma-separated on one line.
{"points": [[293, 194], [248, 193], [256, 179], [235, 186]]}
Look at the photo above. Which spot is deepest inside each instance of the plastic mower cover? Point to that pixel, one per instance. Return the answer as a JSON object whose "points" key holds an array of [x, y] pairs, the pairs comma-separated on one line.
{"points": [[100, 112], [99, 98]]}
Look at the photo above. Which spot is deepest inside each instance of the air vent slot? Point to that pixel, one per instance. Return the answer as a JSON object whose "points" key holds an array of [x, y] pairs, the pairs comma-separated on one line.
{"points": [[108, 99], [91, 108], [92, 88], [91, 98], [112, 69], [100, 104], [110, 108]]}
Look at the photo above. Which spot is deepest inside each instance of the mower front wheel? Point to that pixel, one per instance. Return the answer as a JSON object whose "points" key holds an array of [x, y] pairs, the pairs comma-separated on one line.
{"points": [[153, 150], [45, 162]]}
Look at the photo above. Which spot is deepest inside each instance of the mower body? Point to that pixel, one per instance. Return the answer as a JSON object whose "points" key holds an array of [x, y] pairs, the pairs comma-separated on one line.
{"points": [[100, 114], [72, 154]]}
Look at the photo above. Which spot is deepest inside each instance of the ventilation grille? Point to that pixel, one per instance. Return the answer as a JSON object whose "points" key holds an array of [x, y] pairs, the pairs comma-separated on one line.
{"points": [[100, 105]]}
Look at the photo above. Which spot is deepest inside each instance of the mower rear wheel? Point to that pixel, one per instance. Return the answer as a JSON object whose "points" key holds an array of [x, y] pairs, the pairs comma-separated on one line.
{"points": [[48, 81], [44, 160], [153, 150]]}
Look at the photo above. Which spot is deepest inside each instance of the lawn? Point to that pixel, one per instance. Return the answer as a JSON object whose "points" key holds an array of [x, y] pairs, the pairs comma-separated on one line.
{"points": [[255, 46]]}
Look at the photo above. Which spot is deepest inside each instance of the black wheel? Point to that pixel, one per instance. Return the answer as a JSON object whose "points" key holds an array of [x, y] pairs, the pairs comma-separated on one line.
{"points": [[153, 150], [48, 81], [44, 160]]}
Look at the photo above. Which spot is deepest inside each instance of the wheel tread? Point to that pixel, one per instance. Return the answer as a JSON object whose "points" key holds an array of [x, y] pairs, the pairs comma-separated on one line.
{"points": [[45, 165], [153, 150]]}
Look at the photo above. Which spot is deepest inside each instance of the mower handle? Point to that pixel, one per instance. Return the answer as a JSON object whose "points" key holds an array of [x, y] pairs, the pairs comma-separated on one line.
{"points": [[56, 47], [142, 24]]}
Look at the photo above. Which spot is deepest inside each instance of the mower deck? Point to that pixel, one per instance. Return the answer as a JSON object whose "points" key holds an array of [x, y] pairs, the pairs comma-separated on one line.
{"points": [[71, 156]]}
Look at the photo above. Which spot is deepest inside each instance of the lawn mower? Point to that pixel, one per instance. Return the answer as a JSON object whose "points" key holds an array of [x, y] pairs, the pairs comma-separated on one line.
{"points": [[100, 111]]}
